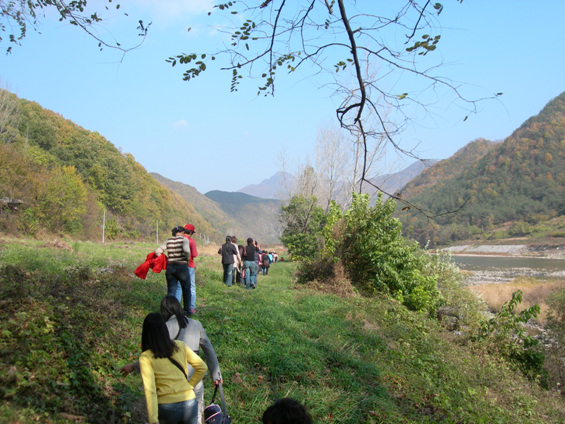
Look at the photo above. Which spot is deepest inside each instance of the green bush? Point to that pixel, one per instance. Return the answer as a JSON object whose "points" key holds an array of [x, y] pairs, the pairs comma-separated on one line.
{"points": [[379, 258], [505, 333], [460, 309], [556, 314], [367, 242], [303, 223]]}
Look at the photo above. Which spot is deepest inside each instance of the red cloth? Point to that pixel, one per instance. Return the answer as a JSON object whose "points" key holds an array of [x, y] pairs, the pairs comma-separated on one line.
{"points": [[157, 263], [193, 251]]}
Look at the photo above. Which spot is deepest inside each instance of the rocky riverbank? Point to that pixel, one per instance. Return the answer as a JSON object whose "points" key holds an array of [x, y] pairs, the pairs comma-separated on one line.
{"points": [[553, 251], [494, 275]]}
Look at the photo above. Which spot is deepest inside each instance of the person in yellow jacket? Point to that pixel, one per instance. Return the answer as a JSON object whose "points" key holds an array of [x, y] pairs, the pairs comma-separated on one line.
{"points": [[169, 393]]}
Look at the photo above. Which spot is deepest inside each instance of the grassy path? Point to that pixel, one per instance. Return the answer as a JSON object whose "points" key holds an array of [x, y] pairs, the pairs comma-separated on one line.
{"points": [[70, 317]]}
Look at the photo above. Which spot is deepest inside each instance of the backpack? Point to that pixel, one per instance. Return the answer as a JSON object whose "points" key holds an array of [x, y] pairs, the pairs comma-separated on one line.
{"points": [[213, 413]]}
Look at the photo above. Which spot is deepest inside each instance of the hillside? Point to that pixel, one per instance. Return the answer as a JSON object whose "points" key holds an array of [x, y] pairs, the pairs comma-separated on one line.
{"points": [[257, 217], [442, 171], [65, 178], [72, 316], [517, 183], [208, 209]]}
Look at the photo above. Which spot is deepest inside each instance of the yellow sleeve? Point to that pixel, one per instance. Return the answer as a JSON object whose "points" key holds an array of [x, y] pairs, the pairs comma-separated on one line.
{"points": [[198, 364], [148, 377]]}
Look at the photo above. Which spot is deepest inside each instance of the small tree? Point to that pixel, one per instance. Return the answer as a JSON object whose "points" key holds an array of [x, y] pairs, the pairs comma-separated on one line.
{"points": [[506, 333], [366, 242], [376, 56], [303, 222], [556, 314], [378, 258]]}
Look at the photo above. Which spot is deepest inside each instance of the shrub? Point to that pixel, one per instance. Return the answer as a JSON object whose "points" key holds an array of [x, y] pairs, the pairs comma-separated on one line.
{"points": [[505, 333], [460, 309], [379, 258], [556, 314], [303, 222]]}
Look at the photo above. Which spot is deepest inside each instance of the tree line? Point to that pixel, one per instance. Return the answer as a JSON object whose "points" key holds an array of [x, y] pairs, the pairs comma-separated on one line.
{"points": [[519, 183], [59, 178]]}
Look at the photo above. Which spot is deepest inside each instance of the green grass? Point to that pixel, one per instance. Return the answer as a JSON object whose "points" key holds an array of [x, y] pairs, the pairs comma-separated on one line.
{"points": [[68, 324]]}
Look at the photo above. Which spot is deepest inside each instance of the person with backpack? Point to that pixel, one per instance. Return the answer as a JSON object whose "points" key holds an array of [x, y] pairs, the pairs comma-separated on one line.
{"points": [[238, 263], [266, 260], [169, 392], [249, 265]]}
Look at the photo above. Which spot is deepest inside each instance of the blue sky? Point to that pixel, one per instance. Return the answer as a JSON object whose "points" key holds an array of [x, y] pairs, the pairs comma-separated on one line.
{"points": [[200, 134]]}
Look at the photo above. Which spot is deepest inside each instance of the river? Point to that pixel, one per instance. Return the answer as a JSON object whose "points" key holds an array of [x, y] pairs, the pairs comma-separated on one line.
{"points": [[501, 269]]}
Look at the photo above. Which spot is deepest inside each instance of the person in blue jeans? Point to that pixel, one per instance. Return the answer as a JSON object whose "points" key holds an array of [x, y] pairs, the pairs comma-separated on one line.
{"points": [[189, 233], [249, 264], [228, 250], [178, 252], [169, 393]]}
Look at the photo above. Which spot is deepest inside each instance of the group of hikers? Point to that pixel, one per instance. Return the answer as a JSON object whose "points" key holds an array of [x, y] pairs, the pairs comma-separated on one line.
{"points": [[170, 365], [242, 263]]}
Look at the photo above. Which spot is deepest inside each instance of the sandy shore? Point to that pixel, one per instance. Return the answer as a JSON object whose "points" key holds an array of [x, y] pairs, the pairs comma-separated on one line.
{"points": [[516, 250]]}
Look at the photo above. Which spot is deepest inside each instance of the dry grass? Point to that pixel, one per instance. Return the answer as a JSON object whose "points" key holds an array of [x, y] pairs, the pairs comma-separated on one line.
{"points": [[212, 249], [337, 283], [208, 249], [534, 292]]}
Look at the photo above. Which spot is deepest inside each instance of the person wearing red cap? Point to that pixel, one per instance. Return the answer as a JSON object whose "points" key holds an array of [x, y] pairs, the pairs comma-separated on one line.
{"points": [[189, 231]]}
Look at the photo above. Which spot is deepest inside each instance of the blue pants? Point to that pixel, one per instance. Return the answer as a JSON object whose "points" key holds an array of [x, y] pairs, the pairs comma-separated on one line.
{"points": [[228, 274], [178, 273], [178, 293], [250, 273], [179, 413]]}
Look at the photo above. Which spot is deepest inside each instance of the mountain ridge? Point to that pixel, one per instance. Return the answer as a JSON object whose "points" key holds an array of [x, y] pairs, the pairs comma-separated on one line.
{"points": [[518, 183]]}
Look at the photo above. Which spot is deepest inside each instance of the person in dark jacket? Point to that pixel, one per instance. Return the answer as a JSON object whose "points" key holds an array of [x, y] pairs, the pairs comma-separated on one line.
{"points": [[228, 250], [266, 260]]}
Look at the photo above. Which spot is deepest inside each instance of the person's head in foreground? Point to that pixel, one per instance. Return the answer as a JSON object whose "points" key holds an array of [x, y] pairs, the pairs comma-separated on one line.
{"points": [[286, 411]]}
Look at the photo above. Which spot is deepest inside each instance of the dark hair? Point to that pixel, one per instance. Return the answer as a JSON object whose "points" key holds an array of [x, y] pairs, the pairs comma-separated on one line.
{"points": [[249, 240], [228, 239], [177, 229], [170, 306], [286, 411], [155, 336], [234, 239]]}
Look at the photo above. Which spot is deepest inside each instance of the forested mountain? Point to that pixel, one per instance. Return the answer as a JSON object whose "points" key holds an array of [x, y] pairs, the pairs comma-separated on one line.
{"points": [[209, 210], [517, 183], [392, 183], [57, 177], [444, 170], [258, 217]]}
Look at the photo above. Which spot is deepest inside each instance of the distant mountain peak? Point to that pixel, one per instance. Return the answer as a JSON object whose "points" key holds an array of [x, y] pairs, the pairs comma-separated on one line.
{"points": [[270, 188]]}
